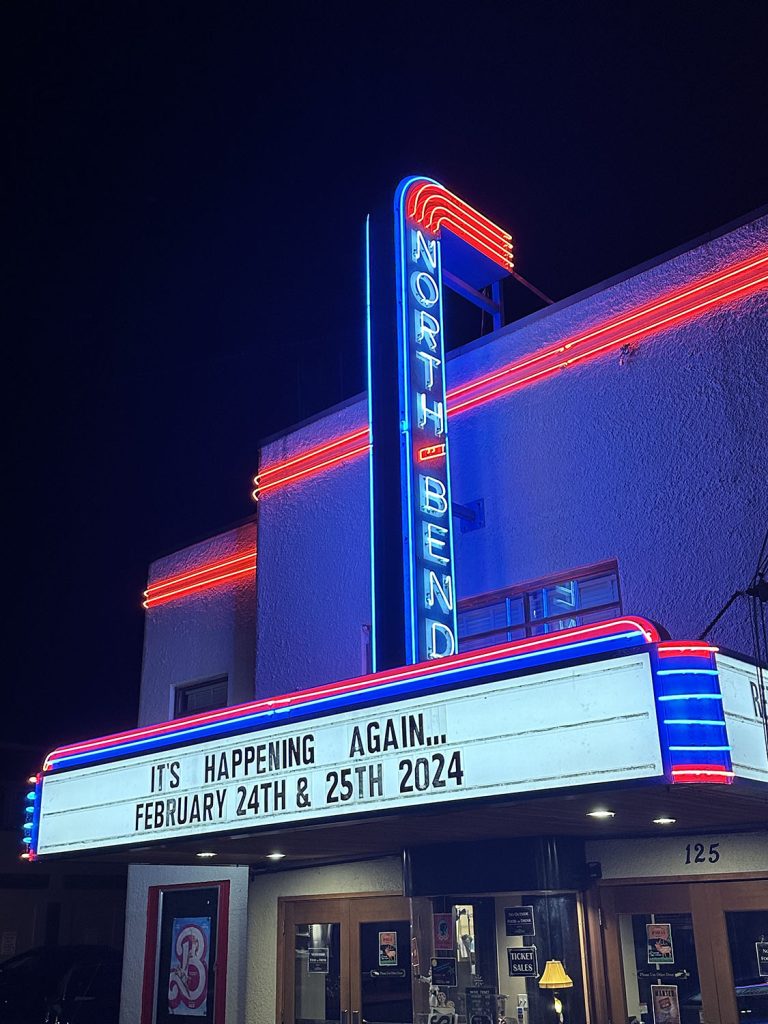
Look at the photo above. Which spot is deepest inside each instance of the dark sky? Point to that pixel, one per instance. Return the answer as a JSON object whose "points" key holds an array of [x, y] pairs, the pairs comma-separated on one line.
{"points": [[187, 186]]}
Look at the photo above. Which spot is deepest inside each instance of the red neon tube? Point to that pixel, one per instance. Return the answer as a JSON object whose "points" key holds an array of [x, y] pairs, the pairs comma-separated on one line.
{"points": [[530, 644], [200, 579], [734, 282]]}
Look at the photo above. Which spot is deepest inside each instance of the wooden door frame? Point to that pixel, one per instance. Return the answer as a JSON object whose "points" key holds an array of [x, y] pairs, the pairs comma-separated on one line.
{"points": [[350, 909], [707, 902]]}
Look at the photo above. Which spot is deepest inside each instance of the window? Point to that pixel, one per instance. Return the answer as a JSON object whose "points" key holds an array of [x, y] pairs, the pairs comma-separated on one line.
{"points": [[190, 700], [540, 606]]}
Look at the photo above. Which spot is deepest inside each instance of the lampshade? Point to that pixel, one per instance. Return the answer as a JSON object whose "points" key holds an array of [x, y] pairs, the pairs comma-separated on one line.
{"points": [[554, 976]]}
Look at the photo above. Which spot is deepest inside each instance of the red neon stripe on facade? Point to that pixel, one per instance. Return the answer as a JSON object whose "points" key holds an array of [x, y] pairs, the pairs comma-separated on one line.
{"points": [[313, 468], [352, 439], [639, 324], [199, 579], [175, 580], [553, 640], [757, 264], [623, 337]]}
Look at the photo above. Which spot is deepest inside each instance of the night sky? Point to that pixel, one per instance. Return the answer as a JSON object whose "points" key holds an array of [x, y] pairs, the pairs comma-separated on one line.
{"points": [[187, 186]]}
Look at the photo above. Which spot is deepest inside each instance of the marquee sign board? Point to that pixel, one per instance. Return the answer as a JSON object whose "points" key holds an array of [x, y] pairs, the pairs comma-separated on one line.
{"points": [[566, 726], [744, 708]]}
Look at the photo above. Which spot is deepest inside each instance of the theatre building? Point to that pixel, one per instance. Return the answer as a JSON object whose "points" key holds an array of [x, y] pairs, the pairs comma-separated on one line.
{"points": [[444, 732]]}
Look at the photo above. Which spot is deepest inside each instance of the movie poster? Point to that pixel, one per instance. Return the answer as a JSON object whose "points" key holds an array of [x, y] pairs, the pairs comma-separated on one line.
{"points": [[443, 932], [659, 942], [189, 970], [666, 1004]]}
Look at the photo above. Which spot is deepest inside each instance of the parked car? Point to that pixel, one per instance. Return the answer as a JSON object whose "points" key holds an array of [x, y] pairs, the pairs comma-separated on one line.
{"points": [[61, 985]]}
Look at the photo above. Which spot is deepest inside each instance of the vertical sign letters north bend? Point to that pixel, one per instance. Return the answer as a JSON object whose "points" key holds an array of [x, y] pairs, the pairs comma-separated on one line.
{"points": [[429, 566]]}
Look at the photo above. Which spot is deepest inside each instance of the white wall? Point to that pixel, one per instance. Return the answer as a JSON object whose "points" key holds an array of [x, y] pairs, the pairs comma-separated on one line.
{"points": [[383, 876], [202, 635], [660, 462], [727, 853], [314, 592], [140, 878]]}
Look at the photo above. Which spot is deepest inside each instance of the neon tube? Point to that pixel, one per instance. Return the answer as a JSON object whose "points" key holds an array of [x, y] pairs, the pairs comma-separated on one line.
{"points": [[351, 440], [429, 452], [733, 282], [687, 672], [674, 747], [691, 696], [433, 207], [702, 773], [311, 470], [691, 650], [610, 635], [693, 721], [200, 579]]}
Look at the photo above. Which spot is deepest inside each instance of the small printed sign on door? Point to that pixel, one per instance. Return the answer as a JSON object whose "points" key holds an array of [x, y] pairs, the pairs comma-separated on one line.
{"points": [[659, 942], [666, 1004], [387, 949]]}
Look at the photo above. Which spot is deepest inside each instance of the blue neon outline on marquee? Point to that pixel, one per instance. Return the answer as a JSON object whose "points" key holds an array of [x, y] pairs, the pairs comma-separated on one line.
{"points": [[395, 690], [406, 430], [682, 727]]}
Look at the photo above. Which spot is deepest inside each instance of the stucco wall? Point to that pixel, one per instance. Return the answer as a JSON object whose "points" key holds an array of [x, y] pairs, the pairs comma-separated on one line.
{"points": [[201, 635], [363, 877], [659, 460], [140, 878], [314, 594]]}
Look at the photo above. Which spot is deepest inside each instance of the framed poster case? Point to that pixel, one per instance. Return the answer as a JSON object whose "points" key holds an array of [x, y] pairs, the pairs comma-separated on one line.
{"points": [[185, 954]]}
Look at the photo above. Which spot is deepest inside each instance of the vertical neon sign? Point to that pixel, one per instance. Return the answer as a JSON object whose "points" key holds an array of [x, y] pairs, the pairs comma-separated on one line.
{"points": [[438, 241], [430, 620]]}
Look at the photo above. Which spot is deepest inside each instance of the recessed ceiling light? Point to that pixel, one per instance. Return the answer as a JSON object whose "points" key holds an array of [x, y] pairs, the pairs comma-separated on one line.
{"points": [[275, 856], [205, 853], [600, 813], [664, 821]]}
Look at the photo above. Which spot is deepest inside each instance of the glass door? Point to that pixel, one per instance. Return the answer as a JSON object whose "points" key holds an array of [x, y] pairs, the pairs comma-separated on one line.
{"points": [[346, 960], [737, 921], [687, 954], [657, 967], [315, 962], [381, 961]]}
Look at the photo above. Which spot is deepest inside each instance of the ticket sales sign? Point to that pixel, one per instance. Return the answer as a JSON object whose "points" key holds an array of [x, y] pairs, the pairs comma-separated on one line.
{"points": [[562, 727]]}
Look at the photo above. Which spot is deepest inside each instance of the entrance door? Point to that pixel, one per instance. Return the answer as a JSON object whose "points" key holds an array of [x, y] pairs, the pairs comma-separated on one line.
{"points": [[345, 960], [735, 916], [688, 953]]}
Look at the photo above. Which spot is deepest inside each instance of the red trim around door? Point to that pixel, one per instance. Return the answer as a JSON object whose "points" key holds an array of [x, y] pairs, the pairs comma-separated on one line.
{"points": [[149, 981]]}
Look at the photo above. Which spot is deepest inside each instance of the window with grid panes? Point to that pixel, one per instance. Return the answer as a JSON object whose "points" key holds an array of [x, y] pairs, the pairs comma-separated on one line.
{"points": [[207, 696], [540, 606]]}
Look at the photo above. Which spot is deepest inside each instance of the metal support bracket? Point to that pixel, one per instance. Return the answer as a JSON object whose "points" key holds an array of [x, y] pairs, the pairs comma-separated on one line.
{"points": [[470, 516]]}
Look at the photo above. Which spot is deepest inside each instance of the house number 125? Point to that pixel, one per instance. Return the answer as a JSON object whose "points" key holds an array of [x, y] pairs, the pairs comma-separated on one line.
{"points": [[696, 853]]}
